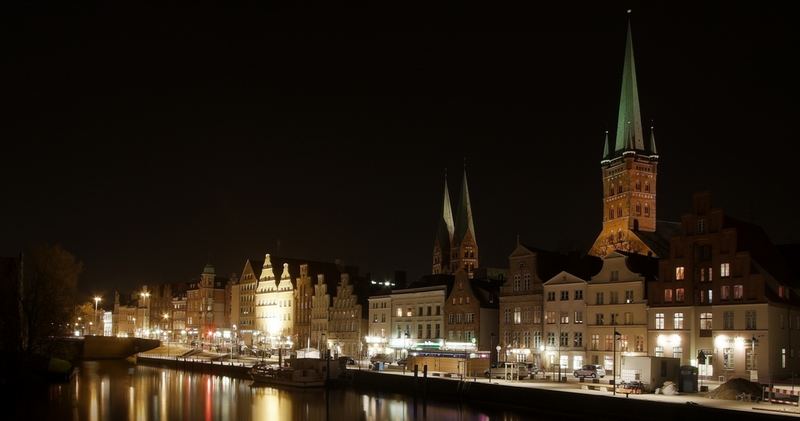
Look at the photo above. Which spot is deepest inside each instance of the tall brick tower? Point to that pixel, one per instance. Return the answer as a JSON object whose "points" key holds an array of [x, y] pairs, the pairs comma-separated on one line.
{"points": [[629, 173]]}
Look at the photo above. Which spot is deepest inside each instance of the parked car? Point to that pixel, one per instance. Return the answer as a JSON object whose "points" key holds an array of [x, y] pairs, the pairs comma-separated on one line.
{"points": [[590, 370], [499, 371], [533, 369]]}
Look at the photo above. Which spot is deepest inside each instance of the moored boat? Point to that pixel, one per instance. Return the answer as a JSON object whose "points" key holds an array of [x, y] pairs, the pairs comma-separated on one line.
{"points": [[270, 375]]}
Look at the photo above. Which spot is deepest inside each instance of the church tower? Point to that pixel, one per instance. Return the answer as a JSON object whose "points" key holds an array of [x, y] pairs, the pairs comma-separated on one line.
{"points": [[444, 235], [629, 172], [464, 251]]}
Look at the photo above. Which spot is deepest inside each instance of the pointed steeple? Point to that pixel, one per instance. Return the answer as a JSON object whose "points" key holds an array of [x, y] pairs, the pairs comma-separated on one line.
{"points": [[653, 150], [446, 226], [464, 221], [629, 120], [605, 148]]}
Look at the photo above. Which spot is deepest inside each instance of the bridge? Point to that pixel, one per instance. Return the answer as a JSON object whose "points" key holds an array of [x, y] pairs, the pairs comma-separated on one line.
{"points": [[107, 347]]}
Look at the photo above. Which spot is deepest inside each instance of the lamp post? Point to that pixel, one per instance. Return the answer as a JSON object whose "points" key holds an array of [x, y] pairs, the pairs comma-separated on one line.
{"points": [[491, 345], [96, 301], [614, 372], [165, 318], [145, 323]]}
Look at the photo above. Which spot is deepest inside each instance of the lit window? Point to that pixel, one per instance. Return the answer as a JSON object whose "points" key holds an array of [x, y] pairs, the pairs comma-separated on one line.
{"points": [[679, 295], [659, 351], [659, 321], [738, 292], [679, 273], [677, 321], [725, 292], [725, 270], [727, 358], [705, 321], [667, 295]]}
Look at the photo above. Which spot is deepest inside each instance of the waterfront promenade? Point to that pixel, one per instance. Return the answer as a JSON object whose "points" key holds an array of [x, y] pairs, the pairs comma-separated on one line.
{"points": [[404, 382]]}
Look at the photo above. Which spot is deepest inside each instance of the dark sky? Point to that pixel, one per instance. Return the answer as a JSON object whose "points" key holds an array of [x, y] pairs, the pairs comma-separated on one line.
{"points": [[149, 140]]}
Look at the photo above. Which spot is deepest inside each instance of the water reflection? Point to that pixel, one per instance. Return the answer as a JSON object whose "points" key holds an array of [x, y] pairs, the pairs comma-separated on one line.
{"points": [[116, 390]]}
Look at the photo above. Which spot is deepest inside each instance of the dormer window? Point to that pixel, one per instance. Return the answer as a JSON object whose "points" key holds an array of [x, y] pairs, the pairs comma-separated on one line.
{"points": [[701, 225]]}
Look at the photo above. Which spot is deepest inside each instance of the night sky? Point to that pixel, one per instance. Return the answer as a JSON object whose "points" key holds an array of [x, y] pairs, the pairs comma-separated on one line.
{"points": [[149, 141]]}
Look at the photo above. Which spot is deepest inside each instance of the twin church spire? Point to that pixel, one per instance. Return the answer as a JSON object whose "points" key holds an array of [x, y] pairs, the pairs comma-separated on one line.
{"points": [[455, 246]]}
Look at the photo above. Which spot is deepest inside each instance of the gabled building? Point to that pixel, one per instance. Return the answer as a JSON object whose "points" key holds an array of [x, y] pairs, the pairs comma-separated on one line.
{"points": [[274, 307], [320, 306], [565, 327], [520, 313], [346, 325], [243, 295], [205, 304], [470, 314], [303, 294], [724, 290], [616, 302], [629, 174]]}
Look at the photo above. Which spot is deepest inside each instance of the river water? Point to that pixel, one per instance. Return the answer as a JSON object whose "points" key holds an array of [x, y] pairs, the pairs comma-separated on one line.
{"points": [[117, 390]]}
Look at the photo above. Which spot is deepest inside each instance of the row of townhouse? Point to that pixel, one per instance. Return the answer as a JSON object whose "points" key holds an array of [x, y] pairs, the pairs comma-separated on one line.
{"points": [[437, 312], [721, 298], [260, 309]]}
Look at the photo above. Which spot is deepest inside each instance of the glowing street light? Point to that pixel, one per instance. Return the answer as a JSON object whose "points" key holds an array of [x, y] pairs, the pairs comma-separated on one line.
{"points": [[96, 301]]}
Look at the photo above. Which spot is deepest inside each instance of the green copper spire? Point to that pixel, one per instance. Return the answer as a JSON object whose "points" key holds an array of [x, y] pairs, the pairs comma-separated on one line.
{"points": [[653, 149], [464, 222], [629, 121], [444, 232], [605, 148]]}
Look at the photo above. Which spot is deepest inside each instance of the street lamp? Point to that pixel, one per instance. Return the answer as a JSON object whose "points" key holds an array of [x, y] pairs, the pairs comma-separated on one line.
{"points": [[614, 377], [96, 301], [145, 295], [165, 318]]}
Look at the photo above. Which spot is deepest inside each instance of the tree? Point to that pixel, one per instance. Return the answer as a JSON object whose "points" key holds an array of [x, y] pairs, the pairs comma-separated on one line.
{"points": [[47, 296], [83, 314]]}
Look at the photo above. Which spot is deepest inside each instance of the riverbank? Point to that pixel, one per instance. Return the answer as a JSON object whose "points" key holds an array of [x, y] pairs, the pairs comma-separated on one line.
{"points": [[221, 368], [571, 402], [549, 399]]}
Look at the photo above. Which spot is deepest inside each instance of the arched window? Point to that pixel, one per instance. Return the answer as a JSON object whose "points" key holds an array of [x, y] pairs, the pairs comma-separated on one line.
{"points": [[619, 212], [647, 186], [619, 235], [611, 213], [619, 188], [638, 208], [646, 209], [638, 185]]}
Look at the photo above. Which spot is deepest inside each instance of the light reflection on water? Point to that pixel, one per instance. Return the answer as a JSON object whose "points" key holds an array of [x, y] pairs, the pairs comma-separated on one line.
{"points": [[116, 390]]}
